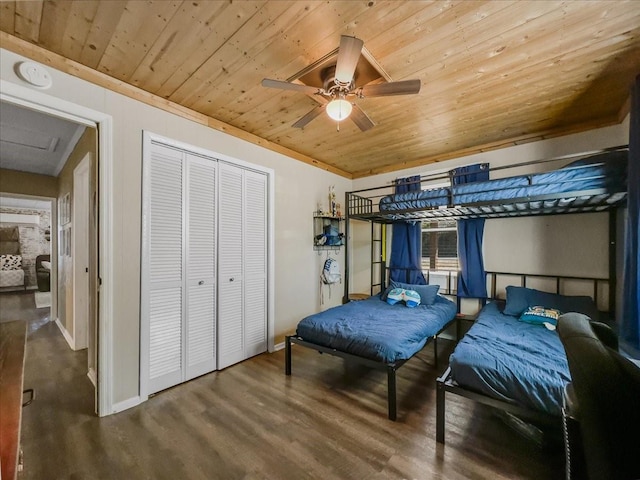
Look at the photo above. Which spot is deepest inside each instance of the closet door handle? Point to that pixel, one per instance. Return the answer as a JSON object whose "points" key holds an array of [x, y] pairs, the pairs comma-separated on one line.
{"points": [[201, 282], [231, 279]]}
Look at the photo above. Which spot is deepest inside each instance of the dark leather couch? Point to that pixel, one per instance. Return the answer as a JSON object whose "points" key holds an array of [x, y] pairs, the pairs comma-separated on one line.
{"points": [[43, 275], [603, 400]]}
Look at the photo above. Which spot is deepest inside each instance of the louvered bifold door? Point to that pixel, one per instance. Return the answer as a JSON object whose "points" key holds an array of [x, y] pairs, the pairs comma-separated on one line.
{"points": [[230, 238], [255, 263], [164, 276], [200, 321]]}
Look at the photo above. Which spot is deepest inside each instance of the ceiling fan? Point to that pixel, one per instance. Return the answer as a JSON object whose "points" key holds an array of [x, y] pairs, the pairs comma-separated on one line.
{"points": [[339, 83]]}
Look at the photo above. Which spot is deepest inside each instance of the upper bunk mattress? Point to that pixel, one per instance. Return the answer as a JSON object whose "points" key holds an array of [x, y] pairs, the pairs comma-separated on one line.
{"points": [[512, 361], [607, 172], [375, 330]]}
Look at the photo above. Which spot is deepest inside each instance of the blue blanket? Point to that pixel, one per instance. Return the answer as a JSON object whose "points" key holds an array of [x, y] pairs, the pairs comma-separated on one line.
{"points": [[375, 330], [513, 361]]}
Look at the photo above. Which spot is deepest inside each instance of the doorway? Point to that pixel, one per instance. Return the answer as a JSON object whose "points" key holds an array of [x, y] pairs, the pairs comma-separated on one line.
{"points": [[40, 102], [83, 259]]}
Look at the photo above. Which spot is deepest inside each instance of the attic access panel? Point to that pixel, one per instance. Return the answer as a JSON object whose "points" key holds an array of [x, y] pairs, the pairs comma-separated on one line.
{"points": [[368, 71]]}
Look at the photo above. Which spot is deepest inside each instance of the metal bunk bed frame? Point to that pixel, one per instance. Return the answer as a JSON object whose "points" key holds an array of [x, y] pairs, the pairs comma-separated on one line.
{"points": [[360, 206], [445, 383]]}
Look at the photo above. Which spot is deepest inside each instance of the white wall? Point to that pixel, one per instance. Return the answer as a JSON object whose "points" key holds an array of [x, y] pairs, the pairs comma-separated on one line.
{"points": [[575, 245], [299, 188]]}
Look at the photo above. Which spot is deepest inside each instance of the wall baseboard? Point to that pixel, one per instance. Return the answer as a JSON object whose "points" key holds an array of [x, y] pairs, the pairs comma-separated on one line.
{"points": [[126, 404], [93, 377], [278, 346], [66, 334]]}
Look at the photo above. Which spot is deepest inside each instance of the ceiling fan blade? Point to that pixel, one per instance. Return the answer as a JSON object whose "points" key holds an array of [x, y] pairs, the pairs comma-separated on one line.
{"points": [[361, 119], [405, 87], [267, 82], [309, 116], [348, 56]]}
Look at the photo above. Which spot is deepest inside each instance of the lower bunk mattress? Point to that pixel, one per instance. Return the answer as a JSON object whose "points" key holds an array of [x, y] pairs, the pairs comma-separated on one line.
{"points": [[375, 330], [513, 361]]}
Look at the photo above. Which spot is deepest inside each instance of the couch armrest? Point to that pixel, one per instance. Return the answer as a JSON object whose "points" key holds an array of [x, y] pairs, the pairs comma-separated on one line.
{"points": [[605, 334]]}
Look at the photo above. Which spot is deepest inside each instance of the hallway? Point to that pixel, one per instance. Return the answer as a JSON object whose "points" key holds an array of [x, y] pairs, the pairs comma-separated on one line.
{"points": [[63, 392]]}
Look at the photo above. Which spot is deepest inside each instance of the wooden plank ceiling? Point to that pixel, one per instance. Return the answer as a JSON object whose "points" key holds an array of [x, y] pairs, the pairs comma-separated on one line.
{"points": [[493, 73]]}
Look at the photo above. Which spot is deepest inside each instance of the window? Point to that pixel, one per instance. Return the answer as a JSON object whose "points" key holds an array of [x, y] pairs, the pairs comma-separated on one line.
{"points": [[440, 253]]}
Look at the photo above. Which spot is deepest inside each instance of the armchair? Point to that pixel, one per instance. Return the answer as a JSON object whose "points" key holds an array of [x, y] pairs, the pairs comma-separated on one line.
{"points": [[43, 274]]}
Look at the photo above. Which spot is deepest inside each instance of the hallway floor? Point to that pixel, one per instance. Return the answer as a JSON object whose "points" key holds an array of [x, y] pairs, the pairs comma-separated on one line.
{"points": [[63, 392]]}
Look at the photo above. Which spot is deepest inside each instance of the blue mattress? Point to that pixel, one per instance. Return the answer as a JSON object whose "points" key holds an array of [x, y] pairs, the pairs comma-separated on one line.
{"points": [[375, 330], [513, 361], [607, 171]]}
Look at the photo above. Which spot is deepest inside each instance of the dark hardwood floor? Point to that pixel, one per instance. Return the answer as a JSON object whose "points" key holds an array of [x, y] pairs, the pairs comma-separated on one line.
{"points": [[250, 421], [21, 305]]}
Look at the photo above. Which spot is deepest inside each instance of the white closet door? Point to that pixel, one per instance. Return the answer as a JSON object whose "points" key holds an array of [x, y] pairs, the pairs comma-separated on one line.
{"points": [[255, 263], [165, 279], [200, 318], [230, 238]]}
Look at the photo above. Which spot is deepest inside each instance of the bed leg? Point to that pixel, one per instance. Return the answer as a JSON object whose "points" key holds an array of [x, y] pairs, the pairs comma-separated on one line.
{"points": [[435, 350], [391, 392], [287, 355], [440, 391]]}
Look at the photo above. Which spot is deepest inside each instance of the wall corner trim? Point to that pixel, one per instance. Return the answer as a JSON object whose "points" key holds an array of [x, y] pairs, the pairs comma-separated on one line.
{"points": [[67, 336], [126, 404]]}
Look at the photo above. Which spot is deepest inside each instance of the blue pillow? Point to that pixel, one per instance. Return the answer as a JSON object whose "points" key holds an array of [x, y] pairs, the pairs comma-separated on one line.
{"points": [[427, 293], [541, 316], [519, 298]]}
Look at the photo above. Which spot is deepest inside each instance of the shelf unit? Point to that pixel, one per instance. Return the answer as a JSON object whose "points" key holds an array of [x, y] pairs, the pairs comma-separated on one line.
{"points": [[327, 232]]}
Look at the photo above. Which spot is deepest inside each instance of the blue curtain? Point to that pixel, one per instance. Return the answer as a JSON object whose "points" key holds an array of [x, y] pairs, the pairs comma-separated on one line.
{"points": [[630, 322], [406, 244], [471, 280]]}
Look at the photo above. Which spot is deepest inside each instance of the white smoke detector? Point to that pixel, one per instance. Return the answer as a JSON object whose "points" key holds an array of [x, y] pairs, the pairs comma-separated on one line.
{"points": [[34, 74]]}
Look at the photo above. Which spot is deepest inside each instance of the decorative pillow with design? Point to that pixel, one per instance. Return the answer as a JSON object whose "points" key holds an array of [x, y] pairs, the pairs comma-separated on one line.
{"points": [[10, 262], [428, 293], [395, 295], [541, 316], [411, 298]]}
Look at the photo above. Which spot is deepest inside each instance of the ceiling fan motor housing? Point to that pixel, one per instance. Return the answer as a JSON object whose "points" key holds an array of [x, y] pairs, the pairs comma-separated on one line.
{"points": [[332, 85]]}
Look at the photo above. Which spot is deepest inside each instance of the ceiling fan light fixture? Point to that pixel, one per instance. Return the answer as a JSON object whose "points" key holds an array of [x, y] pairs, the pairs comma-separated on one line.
{"points": [[339, 109]]}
